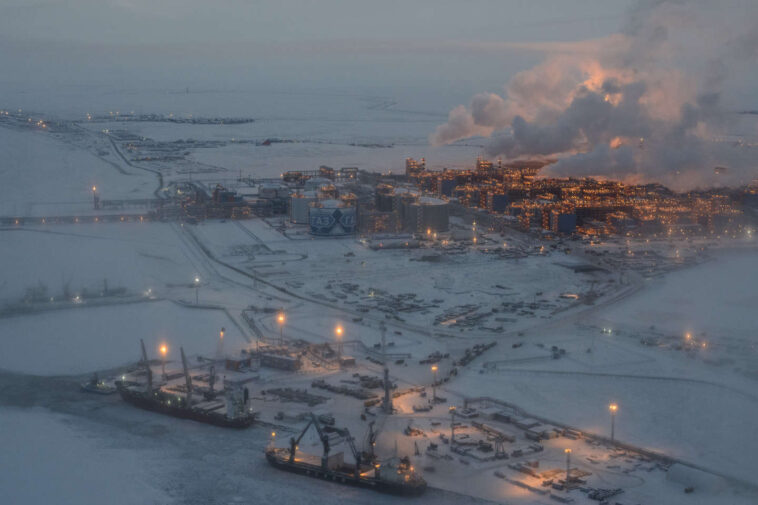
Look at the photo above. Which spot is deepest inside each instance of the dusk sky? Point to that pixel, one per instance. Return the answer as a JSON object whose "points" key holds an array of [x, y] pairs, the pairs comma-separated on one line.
{"points": [[327, 43]]}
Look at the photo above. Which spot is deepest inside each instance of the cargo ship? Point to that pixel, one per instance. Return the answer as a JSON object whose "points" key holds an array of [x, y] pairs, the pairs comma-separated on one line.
{"points": [[229, 408], [169, 404], [396, 476]]}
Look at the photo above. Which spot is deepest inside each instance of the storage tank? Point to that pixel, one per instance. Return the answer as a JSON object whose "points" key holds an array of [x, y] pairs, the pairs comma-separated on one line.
{"points": [[427, 213], [383, 201], [273, 190], [300, 206], [332, 218], [315, 183], [402, 199]]}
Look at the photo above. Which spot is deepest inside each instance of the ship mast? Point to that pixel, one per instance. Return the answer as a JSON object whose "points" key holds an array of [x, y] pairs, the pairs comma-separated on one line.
{"points": [[187, 377], [147, 367], [387, 402]]}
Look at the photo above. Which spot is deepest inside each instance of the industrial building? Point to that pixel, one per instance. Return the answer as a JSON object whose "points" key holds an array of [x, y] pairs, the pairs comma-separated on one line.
{"points": [[567, 206], [412, 211]]}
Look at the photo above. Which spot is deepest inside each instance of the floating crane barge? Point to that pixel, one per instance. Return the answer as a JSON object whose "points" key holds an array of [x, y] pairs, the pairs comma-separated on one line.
{"points": [[231, 411], [394, 477]]}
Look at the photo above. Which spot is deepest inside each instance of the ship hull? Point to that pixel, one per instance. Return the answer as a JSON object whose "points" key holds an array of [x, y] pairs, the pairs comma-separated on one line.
{"points": [[314, 471], [141, 400]]}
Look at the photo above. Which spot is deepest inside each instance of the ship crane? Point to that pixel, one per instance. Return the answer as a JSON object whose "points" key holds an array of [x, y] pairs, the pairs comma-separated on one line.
{"points": [[387, 401], [187, 378], [146, 364], [371, 442], [321, 435], [327, 443], [345, 433]]}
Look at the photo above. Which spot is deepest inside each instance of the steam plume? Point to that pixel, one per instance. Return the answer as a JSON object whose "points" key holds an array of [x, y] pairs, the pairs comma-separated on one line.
{"points": [[646, 104]]}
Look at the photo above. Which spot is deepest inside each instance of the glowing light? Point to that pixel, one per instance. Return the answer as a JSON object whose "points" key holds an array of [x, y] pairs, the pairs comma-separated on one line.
{"points": [[163, 349], [338, 330], [613, 407], [280, 318]]}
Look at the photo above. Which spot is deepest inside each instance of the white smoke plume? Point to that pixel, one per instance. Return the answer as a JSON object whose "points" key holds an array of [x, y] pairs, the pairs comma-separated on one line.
{"points": [[644, 105]]}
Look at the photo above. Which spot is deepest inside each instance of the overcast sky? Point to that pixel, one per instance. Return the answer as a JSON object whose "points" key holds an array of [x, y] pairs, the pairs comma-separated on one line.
{"points": [[317, 43]]}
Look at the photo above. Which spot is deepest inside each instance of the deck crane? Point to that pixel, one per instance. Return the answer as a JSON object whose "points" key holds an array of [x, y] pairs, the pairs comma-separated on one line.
{"points": [[321, 435], [345, 434], [371, 442], [387, 400], [187, 377], [342, 434], [146, 364]]}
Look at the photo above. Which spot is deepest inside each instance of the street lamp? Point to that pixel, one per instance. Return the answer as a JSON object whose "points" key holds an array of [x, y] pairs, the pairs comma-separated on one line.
{"points": [[338, 332], [164, 350], [613, 408], [281, 319], [197, 289], [568, 464], [434, 384]]}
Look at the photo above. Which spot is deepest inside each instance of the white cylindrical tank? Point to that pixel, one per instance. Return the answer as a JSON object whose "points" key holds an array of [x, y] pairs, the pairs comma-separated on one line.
{"points": [[332, 218], [300, 206]]}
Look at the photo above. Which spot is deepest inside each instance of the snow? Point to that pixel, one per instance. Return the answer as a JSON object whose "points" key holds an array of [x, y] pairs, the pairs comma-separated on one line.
{"points": [[136, 256], [717, 298], [696, 405], [78, 341], [43, 176], [49, 459]]}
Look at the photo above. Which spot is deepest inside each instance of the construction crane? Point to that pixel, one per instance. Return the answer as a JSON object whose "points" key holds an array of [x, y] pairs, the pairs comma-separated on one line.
{"points": [[146, 364]]}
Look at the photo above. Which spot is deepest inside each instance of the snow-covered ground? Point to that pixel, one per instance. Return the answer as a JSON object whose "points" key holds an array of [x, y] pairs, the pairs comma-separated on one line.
{"points": [[82, 340], [131, 255], [716, 301], [50, 458], [676, 395], [695, 404], [45, 176]]}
